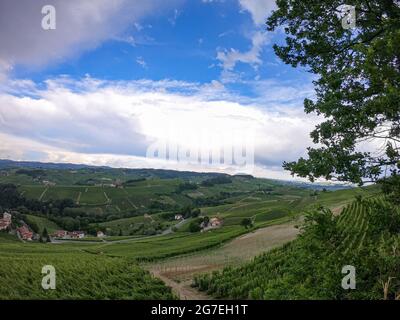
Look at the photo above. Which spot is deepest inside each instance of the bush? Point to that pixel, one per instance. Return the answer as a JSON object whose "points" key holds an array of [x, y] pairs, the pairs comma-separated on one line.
{"points": [[194, 226]]}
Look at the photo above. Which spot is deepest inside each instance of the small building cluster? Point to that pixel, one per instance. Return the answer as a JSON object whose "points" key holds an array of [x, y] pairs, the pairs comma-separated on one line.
{"points": [[213, 223], [24, 233], [62, 234], [5, 222]]}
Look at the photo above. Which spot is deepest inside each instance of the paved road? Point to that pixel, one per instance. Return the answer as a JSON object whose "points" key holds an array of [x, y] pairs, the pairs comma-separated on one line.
{"points": [[165, 232]]}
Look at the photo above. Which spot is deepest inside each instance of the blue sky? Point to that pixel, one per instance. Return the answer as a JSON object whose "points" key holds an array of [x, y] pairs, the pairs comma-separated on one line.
{"points": [[115, 76], [181, 44]]}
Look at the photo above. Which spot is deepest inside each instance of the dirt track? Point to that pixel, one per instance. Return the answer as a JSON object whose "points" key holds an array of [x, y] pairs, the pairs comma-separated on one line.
{"points": [[183, 290]]}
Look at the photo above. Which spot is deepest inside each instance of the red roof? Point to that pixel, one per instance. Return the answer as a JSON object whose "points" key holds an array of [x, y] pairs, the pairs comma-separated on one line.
{"points": [[25, 233]]}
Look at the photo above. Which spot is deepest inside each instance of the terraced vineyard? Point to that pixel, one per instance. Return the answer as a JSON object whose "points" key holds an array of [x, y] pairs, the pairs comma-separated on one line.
{"points": [[310, 267]]}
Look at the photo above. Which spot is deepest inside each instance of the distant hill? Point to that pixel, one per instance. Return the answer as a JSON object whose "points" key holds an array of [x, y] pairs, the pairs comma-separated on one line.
{"points": [[142, 172], [9, 164], [156, 173]]}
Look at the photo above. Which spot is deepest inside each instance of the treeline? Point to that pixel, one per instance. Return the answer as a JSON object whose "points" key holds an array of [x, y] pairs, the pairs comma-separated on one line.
{"points": [[216, 180], [34, 173]]}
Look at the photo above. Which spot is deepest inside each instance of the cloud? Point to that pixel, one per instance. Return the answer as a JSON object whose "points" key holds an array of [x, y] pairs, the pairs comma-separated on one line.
{"points": [[259, 9], [230, 58], [80, 25], [113, 122], [141, 62], [172, 20]]}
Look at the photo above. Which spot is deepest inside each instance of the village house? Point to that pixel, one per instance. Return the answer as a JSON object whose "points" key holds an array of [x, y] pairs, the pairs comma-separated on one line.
{"points": [[61, 234], [178, 217], [76, 234], [5, 222], [118, 183], [24, 233], [100, 234], [213, 223]]}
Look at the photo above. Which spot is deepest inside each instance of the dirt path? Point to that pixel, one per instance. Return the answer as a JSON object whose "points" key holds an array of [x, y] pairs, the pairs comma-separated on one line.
{"points": [[107, 198], [79, 198], [43, 193], [182, 290]]}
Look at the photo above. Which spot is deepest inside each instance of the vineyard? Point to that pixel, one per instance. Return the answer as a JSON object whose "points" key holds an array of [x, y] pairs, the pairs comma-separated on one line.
{"points": [[365, 235], [79, 276]]}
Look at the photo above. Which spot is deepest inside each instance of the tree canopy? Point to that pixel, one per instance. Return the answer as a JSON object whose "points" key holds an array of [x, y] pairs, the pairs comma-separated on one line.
{"points": [[357, 85]]}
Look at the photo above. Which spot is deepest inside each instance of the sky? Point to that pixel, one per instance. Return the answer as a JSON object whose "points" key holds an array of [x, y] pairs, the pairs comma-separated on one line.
{"points": [[186, 85]]}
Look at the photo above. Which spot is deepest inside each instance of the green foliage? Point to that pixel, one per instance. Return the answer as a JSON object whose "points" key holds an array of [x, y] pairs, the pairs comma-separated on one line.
{"points": [[186, 186], [194, 226], [222, 179], [391, 186], [357, 88], [247, 223]]}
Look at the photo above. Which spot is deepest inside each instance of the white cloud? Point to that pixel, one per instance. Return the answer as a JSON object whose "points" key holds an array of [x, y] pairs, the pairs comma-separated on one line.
{"points": [[81, 25], [230, 58], [113, 123], [172, 20], [140, 61], [259, 9]]}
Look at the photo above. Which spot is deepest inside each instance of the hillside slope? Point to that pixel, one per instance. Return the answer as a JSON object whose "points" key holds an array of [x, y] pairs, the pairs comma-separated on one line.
{"points": [[365, 235]]}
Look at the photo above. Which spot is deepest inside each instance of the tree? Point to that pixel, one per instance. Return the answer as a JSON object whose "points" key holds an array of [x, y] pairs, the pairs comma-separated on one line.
{"points": [[194, 226], [247, 223], [45, 235], [357, 85]]}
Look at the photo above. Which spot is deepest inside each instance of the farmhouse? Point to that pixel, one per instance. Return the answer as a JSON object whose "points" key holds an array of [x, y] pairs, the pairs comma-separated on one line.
{"points": [[24, 233], [178, 217], [76, 234], [118, 183], [100, 234], [5, 222], [215, 222], [62, 234]]}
